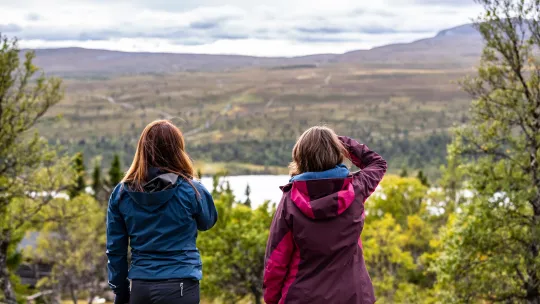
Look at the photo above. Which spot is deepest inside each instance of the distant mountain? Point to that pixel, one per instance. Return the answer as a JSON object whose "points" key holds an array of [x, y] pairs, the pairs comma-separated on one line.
{"points": [[77, 61], [462, 30], [456, 47]]}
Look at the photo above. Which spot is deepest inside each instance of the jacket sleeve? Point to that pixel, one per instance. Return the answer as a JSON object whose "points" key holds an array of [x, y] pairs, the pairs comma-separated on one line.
{"points": [[279, 251], [205, 212], [117, 247], [372, 165]]}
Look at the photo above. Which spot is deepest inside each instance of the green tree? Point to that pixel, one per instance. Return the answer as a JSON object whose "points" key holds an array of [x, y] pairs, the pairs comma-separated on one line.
{"points": [[398, 241], [404, 172], [115, 172], [422, 178], [97, 182], [387, 259], [452, 182], [400, 197], [78, 167], [247, 202], [29, 172], [491, 250], [233, 251], [73, 243]]}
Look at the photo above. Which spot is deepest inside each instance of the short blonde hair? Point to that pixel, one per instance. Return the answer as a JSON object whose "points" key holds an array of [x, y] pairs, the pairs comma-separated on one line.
{"points": [[318, 149]]}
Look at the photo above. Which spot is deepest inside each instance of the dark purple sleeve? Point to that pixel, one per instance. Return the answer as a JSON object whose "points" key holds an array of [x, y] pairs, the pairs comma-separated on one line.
{"points": [[372, 165], [279, 252]]}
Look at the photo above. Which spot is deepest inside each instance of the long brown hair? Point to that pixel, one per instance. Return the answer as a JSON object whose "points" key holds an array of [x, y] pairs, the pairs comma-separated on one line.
{"points": [[318, 149], [161, 146]]}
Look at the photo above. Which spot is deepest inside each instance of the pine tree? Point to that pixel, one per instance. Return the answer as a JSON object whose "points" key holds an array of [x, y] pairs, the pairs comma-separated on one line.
{"points": [[423, 179], [27, 164], [97, 183], [115, 172], [247, 202], [404, 172], [80, 171]]}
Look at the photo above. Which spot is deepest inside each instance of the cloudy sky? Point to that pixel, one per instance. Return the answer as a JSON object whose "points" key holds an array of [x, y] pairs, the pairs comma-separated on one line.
{"points": [[248, 27]]}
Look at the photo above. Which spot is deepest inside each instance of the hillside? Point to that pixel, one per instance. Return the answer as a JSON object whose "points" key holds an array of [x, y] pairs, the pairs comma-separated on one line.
{"points": [[254, 116], [76, 62], [244, 113], [458, 47]]}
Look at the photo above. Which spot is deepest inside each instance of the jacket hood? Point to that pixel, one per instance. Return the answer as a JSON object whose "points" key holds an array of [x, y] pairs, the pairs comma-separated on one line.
{"points": [[158, 191], [322, 198], [340, 171]]}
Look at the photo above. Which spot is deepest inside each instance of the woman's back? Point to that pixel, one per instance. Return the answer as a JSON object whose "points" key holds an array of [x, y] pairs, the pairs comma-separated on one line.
{"points": [[326, 250], [314, 254], [162, 227], [157, 210]]}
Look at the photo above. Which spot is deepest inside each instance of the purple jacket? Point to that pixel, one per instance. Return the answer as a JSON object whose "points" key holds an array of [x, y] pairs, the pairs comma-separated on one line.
{"points": [[314, 253]]}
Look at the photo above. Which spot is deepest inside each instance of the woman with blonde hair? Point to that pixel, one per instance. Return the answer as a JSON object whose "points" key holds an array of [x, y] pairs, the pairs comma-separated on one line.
{"points": [[314, 253], [156, 210]]}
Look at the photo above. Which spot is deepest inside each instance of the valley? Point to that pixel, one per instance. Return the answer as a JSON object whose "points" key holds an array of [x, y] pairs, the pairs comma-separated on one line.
{"points": [[245, 117]]}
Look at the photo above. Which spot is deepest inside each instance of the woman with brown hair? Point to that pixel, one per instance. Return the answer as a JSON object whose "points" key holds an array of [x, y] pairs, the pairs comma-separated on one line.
{"points": [[314, 253], [157, 209]]}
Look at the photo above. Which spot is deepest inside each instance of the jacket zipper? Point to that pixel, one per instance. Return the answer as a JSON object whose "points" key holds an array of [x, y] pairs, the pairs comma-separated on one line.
{"points": [[182, 289]]}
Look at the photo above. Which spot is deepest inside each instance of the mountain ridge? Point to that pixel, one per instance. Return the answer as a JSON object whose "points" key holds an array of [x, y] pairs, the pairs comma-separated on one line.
{"points": [[454, 47]]}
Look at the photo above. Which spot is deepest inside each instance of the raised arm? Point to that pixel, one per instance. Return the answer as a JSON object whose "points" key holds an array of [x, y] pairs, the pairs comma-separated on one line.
{"points": [[279, 251], [117, 246], [372, 165]]}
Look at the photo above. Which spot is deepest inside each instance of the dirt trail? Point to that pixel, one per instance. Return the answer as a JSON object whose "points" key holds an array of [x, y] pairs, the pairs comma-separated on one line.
{"points": [[327, 79], [129, 106], [270, 103], [209, 122], [168, 116]]}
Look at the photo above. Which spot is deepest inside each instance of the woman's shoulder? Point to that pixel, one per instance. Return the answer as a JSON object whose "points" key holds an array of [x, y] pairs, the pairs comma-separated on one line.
{"points": [[119, 196], [116, 194], [191, 188]]}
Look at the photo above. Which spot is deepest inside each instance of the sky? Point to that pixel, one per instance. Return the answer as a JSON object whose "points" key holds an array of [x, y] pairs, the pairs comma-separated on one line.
{"points": [[245, 27]]}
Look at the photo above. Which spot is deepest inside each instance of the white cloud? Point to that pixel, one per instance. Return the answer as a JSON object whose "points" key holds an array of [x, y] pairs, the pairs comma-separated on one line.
{"points": [[272, 28]]}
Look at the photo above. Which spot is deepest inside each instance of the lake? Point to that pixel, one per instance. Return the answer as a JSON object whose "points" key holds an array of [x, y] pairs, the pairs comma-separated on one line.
{"points": [[263, 187], [266, 187]]}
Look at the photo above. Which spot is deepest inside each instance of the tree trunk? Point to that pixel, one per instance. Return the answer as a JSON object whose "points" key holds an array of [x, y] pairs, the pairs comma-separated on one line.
{"points": [[57, 298], [534, 301], [73, 293], [93, 292], [258, 299], [256, 295], [7, 288], [533, 283]]}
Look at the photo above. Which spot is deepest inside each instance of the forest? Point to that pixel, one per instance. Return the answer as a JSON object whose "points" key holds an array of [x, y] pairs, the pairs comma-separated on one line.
{"points": [[460, 223]]}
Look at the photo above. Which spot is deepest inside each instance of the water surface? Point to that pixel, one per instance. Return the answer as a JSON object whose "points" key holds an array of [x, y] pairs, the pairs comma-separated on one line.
{"points": [[263, 187]]}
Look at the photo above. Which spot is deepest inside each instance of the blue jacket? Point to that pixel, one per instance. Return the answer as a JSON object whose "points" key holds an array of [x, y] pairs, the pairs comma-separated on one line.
{"points": [[161, 228]]}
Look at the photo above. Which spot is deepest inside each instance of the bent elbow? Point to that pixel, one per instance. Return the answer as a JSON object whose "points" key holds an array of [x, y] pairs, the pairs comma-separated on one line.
{"points": [[207, 224]]}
